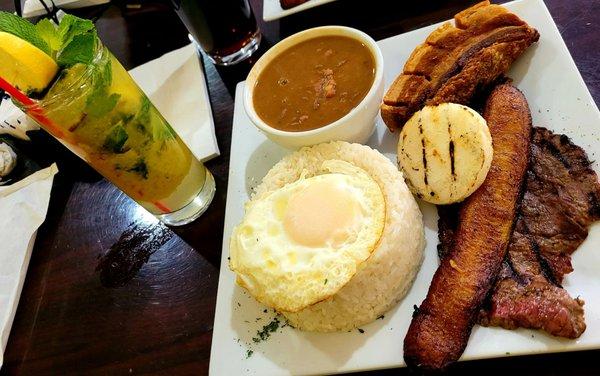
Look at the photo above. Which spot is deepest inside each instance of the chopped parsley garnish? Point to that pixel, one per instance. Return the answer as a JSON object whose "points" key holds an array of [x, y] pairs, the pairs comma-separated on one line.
{"points": [[266, 331], [249, 353]]}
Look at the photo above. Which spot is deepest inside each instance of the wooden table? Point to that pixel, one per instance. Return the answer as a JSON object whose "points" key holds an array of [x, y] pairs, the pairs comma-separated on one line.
{"points": [[149, 306]]}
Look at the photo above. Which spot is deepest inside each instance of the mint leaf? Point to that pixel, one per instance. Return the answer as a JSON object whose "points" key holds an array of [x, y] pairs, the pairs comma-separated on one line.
{"points": [[100, 104], [117, 136], [78, 41], [23, 29], [71, 26], [107, 74], [143, 115], [81, 49], [47, 30], [162, 129], [140, 168], [73, 41], [152, 123]]}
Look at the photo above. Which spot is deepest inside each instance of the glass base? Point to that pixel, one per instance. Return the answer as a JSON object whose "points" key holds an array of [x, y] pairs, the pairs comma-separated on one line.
{"points": [[240, 55], [195, 208]]}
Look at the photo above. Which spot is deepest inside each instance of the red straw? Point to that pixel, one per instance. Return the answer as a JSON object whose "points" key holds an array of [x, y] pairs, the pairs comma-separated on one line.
{"points": [[165, 209], [38, 114], [33, 109]]}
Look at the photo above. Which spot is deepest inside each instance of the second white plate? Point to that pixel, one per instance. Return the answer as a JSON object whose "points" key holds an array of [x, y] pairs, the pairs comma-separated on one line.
{"points": [[272, 9]]}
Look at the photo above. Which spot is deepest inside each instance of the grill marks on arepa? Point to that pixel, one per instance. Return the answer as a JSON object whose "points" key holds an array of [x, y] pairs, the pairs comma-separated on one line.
{"points": [[445, 152], [451, 165], [424, 158]]}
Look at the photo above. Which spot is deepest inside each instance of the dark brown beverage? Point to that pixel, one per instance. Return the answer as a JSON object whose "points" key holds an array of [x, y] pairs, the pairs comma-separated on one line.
{"points": [[225, 29]]}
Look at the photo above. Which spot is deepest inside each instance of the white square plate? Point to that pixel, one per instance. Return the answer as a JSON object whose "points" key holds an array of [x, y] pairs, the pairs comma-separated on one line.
{"points": [[558, 99], [272, 9]]}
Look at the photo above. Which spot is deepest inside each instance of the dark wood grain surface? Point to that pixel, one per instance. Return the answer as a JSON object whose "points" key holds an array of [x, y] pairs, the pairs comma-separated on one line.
{"points": [[111, 291]]}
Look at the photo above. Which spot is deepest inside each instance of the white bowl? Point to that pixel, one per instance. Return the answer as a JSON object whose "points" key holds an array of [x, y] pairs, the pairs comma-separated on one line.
{"points": [[356, 126]]}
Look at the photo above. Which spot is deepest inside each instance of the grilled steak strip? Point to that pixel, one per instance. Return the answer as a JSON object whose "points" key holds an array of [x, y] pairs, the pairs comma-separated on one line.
{"points": [[536, 304], [457, 60], [441, 326], [561, 200]]}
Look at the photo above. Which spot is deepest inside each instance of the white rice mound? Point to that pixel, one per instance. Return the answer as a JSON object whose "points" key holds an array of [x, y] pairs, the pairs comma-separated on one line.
{"points": [[386, 276]]}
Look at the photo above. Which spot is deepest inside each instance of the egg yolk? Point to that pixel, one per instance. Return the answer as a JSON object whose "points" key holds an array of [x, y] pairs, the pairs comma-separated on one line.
{"points": [[322, 214]]}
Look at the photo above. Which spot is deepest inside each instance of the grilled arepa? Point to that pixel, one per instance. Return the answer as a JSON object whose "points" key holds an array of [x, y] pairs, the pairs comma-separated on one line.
{"points": [[445, 152]]}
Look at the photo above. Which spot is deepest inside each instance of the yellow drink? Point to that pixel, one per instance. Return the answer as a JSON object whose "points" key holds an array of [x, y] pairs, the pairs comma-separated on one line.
{"points": [[100, 113]]}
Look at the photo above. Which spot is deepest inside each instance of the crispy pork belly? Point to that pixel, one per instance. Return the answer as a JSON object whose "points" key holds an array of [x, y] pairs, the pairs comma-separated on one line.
{"points": [[456, 61]]}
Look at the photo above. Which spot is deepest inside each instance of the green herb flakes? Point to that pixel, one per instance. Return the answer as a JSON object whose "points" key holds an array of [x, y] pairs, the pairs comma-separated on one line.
{"points": [[266, 331]]}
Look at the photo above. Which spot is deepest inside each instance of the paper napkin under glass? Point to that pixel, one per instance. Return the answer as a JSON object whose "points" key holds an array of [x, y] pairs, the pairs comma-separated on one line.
{"points": [[35, 8], [23, 207], [175, 84]]}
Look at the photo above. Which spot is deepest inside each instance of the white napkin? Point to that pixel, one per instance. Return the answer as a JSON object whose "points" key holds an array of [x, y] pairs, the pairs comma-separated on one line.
{"points": [[23, 207], [34, 8], [175, 84], [13, 121]]}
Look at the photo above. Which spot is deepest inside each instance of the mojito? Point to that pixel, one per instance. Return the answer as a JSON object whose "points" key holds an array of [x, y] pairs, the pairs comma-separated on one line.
{"points": [[93, 106]]}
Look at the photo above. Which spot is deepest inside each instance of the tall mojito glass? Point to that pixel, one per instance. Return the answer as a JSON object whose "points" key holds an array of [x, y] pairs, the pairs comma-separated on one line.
{"points": [[96, 110]]}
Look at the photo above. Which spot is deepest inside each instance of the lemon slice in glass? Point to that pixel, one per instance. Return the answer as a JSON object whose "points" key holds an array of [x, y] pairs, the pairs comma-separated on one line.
{"points": [[24, 65]]}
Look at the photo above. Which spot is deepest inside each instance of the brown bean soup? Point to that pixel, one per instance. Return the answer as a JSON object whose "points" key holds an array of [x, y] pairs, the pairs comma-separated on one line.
{"points": [[314, 83]]}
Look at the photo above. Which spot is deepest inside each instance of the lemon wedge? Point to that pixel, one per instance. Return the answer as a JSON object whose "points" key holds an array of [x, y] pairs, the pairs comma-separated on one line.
{"points": [[24, 65]]}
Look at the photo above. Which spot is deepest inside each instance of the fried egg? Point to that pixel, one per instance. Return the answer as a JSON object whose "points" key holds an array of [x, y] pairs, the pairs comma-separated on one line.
{"points": [[301, 243]]}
